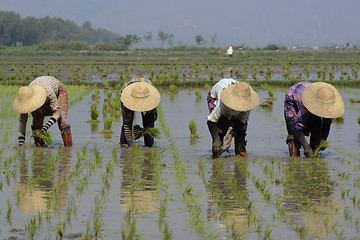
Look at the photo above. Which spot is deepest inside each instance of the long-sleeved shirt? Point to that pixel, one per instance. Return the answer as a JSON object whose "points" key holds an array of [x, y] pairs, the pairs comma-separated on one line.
{"points": [[51, 86], [295, 109], [229, 51], [221, 108], [128, 115]]}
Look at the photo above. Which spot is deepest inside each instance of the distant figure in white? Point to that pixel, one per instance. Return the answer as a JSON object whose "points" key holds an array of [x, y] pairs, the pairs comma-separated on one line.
{"points": [[230, 52]]}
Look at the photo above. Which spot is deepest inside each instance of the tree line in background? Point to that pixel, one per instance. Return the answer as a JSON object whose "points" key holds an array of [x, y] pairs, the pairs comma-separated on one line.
{"points": [[15, 31], [58, 34], [55, 33]]}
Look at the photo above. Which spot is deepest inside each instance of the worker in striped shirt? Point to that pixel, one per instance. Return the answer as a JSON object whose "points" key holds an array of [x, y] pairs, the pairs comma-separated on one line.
{"points": [[45, 96], [138, 95], [229, 103]]}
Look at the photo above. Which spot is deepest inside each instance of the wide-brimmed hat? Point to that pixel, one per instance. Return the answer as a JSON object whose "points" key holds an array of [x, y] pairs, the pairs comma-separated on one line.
{"points": [[239, 97], [140, 97], [29, 98], [323, 100]]}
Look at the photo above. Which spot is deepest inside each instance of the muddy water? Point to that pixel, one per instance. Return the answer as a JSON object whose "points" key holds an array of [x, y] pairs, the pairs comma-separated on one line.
{"points": [[97, 183]]}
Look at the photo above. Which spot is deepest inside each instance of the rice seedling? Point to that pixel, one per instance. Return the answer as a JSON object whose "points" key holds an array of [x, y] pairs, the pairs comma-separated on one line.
{"points": [[94, 113], [193, 129], [173, 89], [339, 119], [197, 92], [353, 100], [107, 126], [9, 211], [321, 147]]}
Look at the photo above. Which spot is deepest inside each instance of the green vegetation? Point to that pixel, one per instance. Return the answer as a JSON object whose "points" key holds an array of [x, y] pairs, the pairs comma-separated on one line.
{"points": [[65, 34], [193, 129]]}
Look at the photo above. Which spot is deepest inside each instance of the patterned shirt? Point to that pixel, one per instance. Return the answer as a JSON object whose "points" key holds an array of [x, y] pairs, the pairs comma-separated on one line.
{"points": [[221, 108], [51, 86], [294, 107]]}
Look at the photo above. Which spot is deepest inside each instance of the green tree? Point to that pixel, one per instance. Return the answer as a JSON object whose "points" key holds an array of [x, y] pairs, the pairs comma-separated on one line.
{"points": [[128, 40], [213, 39], [271, 46], [148, 37], [162, 36], [200, 40], [171, 38]]}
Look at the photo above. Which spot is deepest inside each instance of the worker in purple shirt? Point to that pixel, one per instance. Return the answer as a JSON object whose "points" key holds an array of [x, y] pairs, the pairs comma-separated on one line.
{"points": [[308, 110], [45, 96]]}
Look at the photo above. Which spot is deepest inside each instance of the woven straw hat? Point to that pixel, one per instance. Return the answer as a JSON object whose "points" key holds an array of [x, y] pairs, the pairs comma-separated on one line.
{"points": [[323, 100], [29, 98], [239, 97], [140, 97]]}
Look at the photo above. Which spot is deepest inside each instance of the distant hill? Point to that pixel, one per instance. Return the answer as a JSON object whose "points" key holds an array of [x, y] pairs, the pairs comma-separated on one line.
{"points": [[31, 31]]}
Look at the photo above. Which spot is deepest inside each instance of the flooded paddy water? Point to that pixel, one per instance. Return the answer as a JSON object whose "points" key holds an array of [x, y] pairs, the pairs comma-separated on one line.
{"points": [[97, 189]]}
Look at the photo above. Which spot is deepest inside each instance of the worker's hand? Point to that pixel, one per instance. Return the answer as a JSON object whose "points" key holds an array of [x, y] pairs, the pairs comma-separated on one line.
{"points": [[308, 151], [36, 133], [228, 139], [324, 145]]}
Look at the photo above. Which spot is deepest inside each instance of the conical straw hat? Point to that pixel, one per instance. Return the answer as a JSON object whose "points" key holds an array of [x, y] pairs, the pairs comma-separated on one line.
{"points": [[29, 98], [239, 97], [323, 100], [140, 97]]}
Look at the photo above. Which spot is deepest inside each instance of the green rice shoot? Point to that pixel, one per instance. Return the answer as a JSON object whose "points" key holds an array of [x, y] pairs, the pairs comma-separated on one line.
{"points": [[46, 137], [193, 129], [321, 146]]}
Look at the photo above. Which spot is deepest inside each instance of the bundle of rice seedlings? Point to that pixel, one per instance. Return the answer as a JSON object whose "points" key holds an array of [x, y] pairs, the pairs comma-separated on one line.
{"points": [[193, 128], [46, 136], [94, 113], [139, 131], [107, 126], [321, 147], [42, 137]]}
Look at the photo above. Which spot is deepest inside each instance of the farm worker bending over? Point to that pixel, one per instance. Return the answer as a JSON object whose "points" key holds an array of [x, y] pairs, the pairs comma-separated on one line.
{"points": [[229, 52], [308, 110], [138, 95], [45, 96], [230, 102]]}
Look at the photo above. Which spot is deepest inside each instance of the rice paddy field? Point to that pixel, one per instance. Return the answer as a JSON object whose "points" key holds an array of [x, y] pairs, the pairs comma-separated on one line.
{"points": [[176, 190]]}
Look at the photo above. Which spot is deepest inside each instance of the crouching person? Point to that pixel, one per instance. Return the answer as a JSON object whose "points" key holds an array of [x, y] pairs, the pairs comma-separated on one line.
{"points": [[230, 102], [308, 110], [44, 96], [138, 95]]}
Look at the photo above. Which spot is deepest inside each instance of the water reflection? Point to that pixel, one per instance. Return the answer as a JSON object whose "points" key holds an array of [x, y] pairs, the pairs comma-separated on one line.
{"points": [[230, 198], [138, 183], [309, 189], [40, 174]]}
